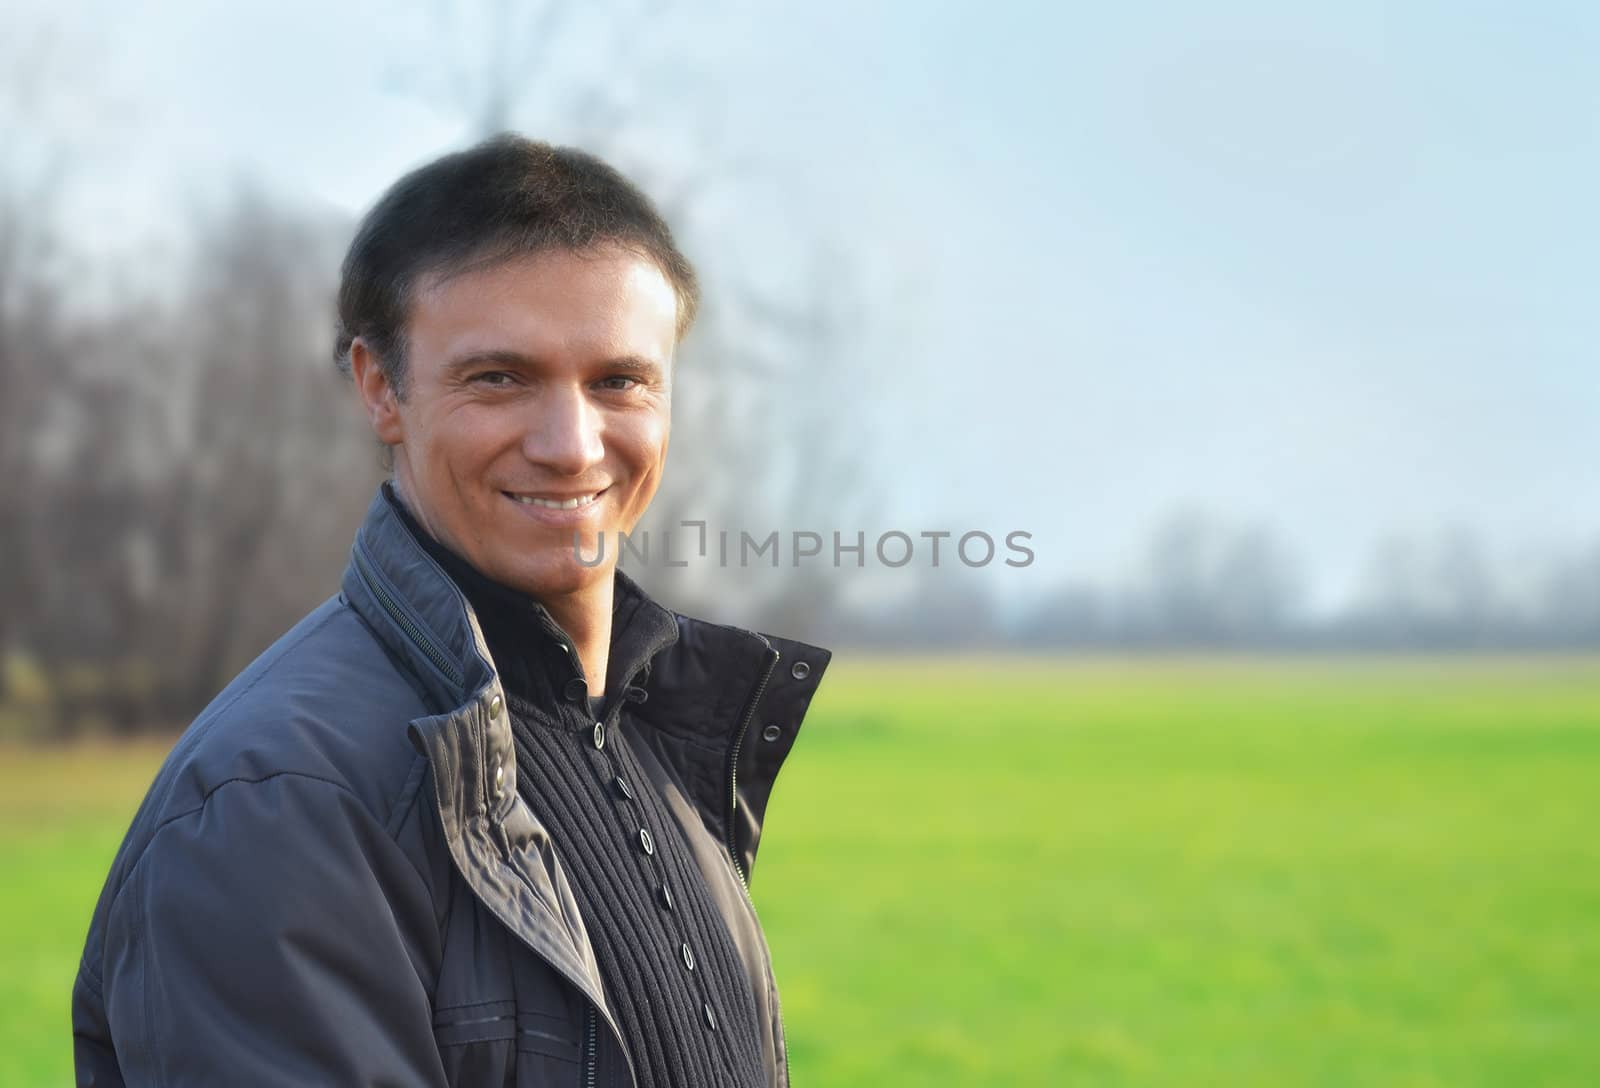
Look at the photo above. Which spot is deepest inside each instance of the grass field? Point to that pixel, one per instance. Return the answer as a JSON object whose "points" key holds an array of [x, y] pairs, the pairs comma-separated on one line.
{"points": [[1030, 872]]}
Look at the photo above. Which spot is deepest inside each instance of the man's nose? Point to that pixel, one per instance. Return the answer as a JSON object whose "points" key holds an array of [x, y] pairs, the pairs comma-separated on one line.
{"points": [[564, 432]]}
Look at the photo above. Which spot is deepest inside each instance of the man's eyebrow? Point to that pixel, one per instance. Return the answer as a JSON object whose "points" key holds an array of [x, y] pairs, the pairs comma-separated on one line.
{"points": [[488, 357], [637, 364]]}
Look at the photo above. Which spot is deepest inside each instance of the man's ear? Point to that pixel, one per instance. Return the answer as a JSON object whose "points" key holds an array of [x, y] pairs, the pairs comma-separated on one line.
{"points": [[377, 393]]}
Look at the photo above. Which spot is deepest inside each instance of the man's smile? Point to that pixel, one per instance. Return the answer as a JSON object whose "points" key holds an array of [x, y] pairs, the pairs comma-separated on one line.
{"points": [[562, 510], [554, 502]]}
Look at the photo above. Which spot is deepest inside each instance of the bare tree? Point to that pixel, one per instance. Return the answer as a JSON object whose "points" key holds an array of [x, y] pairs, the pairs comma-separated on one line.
{"points": [[33, 335], [1567, 605], [200, 472], [1211, 584], [1427, 591], [267, 445]]}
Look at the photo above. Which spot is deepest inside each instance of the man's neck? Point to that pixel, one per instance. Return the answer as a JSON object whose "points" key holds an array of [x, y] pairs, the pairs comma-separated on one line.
{"points": [[584, 613]]}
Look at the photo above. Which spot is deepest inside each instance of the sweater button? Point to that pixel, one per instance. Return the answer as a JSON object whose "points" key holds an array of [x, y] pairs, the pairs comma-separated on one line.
{"points": [[599, 734], [646, 841], [688, 956], [575, 689], [665, 895], [711, 1017], [623, 787]]}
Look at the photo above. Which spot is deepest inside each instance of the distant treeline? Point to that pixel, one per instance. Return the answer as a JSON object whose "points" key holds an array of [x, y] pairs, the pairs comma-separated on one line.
{"points": [[1202, 583]]}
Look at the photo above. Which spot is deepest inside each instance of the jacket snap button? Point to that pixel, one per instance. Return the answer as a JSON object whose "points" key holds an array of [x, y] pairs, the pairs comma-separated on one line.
{"points": [[499, 779], [688, 956], [623, 787], [599, 735], [496, 704], [666, 897], [711, 1017], [771, 732], [646, 841], [576, 689], [800, 670]]}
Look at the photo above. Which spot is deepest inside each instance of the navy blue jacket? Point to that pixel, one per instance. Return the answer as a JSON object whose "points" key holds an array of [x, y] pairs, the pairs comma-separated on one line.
{"points": [[333, 880]]}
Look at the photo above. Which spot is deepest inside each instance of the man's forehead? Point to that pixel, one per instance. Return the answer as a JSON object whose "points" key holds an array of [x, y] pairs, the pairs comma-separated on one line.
{"points": [[552, 263], [601, 303]]}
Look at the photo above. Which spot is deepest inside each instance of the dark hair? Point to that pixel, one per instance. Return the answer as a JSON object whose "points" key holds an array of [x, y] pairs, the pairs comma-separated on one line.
{"points": [[507, 197]]}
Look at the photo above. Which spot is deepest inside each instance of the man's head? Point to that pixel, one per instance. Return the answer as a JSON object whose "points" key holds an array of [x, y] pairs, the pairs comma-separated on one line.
{"points": [[505, 198], [509, 315]]}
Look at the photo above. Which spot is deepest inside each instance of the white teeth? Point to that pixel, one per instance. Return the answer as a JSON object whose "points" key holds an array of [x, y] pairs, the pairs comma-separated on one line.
{"points": [[556, 504]]}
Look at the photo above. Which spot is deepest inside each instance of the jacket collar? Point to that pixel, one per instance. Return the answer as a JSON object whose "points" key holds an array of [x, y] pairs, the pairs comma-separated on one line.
{"points": [[720, 687]]}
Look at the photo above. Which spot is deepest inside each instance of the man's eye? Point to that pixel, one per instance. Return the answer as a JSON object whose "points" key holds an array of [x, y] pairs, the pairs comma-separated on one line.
{"points": [[494, 378], [626, 381]]}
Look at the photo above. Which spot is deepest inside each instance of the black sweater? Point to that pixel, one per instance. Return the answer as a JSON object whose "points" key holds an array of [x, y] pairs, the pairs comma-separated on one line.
{"points": [[671, 972]]}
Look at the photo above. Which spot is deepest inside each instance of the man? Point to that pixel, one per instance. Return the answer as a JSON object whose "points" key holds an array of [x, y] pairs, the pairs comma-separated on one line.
{"points": [[486, 816]]}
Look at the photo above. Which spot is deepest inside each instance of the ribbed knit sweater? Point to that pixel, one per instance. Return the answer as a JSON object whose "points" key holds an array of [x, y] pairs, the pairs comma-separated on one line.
{"points": [[671, 972]]}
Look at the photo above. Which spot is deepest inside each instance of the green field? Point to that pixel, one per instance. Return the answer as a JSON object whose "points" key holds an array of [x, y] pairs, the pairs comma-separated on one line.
{"points": [[1091, 871]]}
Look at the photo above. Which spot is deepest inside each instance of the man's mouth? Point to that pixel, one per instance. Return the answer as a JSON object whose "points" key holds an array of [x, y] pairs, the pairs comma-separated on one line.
{"points": [[553, 502]]}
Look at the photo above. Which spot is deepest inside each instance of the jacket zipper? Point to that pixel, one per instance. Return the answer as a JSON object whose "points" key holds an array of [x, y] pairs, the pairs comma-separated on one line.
{"points": [[733, 809], [590, 1050], [733, 763], [413, 632]]}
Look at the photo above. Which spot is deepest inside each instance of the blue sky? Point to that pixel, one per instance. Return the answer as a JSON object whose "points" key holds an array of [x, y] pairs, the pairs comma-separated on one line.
{"points": [[1326, 267]]}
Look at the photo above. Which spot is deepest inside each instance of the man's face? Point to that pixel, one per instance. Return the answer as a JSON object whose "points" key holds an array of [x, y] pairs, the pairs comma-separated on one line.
{"points": [[537, 404]]}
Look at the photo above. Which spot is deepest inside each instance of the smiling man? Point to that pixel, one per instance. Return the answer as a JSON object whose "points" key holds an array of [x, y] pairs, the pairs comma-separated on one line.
{"points": [[486, 816]]}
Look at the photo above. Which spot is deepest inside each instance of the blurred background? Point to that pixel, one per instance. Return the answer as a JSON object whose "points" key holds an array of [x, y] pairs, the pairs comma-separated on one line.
{"points": [[1271, 328]]}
